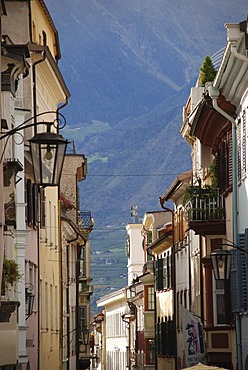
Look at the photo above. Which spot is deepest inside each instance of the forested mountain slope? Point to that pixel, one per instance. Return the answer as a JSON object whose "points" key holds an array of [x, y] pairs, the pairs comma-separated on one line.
{"points": [[129, 66]]}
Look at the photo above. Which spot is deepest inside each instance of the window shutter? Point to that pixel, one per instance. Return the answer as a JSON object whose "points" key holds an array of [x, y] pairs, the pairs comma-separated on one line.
{"points": [[42, 208], [159, 275], [230, 172], [165, 273], [29, 195], [158, 342], [239, 293], [171, 335], [165, 339], [228, 305], [35, 205], [171, 271], [239, 149], [244, 144]]}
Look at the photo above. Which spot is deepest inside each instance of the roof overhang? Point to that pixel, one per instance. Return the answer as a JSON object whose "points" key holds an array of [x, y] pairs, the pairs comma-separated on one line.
{"points": [[177, 188], [163, 243], [56, 36], [209, 125], [72, 232]]}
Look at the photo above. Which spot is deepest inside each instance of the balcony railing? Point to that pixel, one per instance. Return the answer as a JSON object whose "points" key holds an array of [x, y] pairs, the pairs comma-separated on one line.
{"points": [[85, 220], [85, 288], [206, 206]]}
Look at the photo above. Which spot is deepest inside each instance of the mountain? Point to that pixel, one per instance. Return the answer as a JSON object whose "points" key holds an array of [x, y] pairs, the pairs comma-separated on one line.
{"points": [[129, 66]]}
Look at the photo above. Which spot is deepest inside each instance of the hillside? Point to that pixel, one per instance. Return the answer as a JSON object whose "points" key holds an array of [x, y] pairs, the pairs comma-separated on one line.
{"points": [[129, 66]]}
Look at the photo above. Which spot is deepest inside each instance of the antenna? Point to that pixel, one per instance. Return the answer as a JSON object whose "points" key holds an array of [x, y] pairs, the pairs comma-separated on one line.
{"points": [[134, 213]]}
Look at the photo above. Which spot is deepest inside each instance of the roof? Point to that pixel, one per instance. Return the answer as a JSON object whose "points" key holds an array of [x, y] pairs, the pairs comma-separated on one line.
{"points": [[76, 230], [46, 11], [40, 49], [163, 242], [112, 298], [183, 178]]}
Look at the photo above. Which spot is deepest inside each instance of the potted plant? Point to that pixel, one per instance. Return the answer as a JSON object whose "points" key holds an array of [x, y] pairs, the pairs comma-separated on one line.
{"points": [[11, 274], [207, 71]]}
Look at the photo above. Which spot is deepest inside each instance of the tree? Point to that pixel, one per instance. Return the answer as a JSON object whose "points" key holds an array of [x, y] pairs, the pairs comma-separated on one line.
{"points": [[208, 72]]}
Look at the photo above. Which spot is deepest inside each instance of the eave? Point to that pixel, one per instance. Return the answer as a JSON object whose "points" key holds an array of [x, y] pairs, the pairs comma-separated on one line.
{"points": [[76, 234], [163, 243], [40, 49], [177, 188], [56, 36], [209, 125], [232, 76]]}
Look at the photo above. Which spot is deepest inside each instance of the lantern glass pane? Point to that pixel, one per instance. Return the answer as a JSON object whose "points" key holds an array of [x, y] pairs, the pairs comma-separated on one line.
{"points": [[221, 261], [48, 151], [59, 160], [36, 162]]}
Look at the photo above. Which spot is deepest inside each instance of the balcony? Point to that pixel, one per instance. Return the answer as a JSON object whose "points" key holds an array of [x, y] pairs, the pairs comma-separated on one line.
{"points": [[85, 288], [86, 221], [9, 333], [205, 211]]}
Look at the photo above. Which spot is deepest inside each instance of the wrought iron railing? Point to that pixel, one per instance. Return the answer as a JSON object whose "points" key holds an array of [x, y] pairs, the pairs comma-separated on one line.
{"points": [[205, 205], [85, 220]]}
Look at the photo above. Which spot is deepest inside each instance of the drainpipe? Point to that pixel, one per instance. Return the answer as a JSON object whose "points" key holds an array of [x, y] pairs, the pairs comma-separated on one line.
{"points": [[67, 307], [201, 281], [236, 54], [214, 93], [161, 201], [155, 307], [34, 81], [38, 230], [68, 328]]}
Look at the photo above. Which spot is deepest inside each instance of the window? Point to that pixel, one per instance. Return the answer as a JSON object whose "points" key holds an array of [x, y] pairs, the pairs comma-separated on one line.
{"points": [[220, 311], [150, 351], [83, 317], [56, 309], [128, 246], [149, 298], [166, 337], [224, 162], [51, 307], [148, 237], [221, 295], [32, 203], [181, 224], [82, 263], [164, 268], [50, 223]]}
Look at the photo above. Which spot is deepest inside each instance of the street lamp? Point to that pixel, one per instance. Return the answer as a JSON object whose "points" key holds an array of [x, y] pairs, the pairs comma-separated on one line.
{"points": [[221, 261], [29, 299], [221, 264], [85, 336], [47, 150]]}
